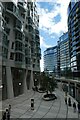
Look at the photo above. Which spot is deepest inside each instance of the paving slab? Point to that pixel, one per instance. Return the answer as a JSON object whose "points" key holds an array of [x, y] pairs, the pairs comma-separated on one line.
{"points": [[21, 106]]}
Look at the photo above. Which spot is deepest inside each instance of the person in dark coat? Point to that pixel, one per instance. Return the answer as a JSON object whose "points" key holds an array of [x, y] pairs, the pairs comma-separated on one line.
{"points": [[69, 101], [66, 100], [7, 114], [4, 116], [78, 107], [74, 106], [9, 109]]}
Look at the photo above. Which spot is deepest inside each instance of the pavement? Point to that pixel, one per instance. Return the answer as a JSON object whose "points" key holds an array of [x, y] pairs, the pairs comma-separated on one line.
{"points": [[21, 106]]}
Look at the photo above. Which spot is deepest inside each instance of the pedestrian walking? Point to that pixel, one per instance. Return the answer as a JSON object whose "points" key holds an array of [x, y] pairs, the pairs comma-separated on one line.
{"points": [[66, 100], [69, 101], [78, 107], [9, 109], [4, 116], [7, 114], [74, 106]]}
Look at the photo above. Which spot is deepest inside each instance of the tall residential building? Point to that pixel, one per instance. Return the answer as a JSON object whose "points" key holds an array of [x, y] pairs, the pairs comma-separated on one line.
{"points": [[50, 60], [63, 58], [19, 47], [74, 35]]}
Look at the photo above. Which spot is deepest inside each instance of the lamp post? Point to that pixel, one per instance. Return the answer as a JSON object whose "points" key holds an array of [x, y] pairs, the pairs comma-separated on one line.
{"points": [[1, 86], [36, 84], [19, 86]]}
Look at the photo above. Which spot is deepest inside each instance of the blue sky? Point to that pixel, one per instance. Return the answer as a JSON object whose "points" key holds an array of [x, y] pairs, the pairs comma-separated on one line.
{"points": [[52, 22]]}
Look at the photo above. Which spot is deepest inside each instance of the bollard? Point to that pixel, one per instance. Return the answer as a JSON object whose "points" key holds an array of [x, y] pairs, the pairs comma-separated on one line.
{"points": [[32, 104]]}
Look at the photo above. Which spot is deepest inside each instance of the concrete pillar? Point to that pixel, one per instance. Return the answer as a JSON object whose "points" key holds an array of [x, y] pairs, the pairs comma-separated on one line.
{"points": [[75, 90], [0, 81], [10, 92], [77, 93], [68, 87], [31, 80], [24, 82], [61, 85]]}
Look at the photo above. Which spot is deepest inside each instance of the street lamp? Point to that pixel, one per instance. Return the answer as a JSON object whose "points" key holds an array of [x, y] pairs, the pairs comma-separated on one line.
{"points": [[1, 86], [36, 84], [19, 87], [19, 84]]}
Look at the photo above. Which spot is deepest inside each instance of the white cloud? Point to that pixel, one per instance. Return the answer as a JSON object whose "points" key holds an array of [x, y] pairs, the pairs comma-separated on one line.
{"points": [[47, 22], [43, 44]]}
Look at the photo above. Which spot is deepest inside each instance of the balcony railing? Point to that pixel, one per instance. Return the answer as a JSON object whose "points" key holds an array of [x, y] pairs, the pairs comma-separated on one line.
{"points": [[21, 6], [13, 10]]}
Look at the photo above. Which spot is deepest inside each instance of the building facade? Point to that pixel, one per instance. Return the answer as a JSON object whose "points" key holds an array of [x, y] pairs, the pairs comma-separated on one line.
{"points": [[19, 47], [63, 58], [50, 60], [74, 36]]}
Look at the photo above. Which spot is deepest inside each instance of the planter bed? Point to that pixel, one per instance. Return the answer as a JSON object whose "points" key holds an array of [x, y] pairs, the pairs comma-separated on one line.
{"points": [[41, 90], [49, 97]]}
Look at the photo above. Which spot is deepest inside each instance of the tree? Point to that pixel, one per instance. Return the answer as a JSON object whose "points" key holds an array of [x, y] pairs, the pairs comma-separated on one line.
{"points": [[51, 84], [43, 81], [47, 83]]}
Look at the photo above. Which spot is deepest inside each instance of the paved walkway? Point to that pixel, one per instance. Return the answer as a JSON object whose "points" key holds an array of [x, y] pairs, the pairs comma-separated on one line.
{"points": [[42, 109]]}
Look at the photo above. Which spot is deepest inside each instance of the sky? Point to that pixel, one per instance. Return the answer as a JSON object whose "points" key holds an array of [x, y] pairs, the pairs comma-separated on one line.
{"points": [[52, 23]]}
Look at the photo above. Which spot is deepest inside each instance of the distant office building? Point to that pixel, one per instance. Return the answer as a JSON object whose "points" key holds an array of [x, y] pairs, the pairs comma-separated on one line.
{"points": [[50, 59], [19, 47], [63, 58], [74, 35]]}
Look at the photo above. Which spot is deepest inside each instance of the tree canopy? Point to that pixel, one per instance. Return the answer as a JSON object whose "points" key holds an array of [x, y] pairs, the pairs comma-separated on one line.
{"points": [[47, 83]]}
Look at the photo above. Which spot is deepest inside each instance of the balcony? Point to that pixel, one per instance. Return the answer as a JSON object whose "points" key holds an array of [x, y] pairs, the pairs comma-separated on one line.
{"points": [[28, 61], [20, 51], [20, 64], [74, 43], [12, 10], [77, 42], [30, 28], [18, 27], [78, 48], [19, 47], [19, 36], [37, 37], [30, 21], [37, 31], [7, 30], [19, 40], [27, 52], [21, 6], [19, 57]]}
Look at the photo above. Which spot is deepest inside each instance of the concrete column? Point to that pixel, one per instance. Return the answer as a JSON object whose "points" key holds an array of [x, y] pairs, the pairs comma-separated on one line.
{"points": [[9, 82], [61, 85], [68, 87], [24, 82], [31, 80], [75, 90], [77, 93]]}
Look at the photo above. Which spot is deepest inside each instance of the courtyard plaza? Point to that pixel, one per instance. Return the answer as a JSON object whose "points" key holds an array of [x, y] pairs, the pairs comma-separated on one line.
{"points": [[21, 106]]}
